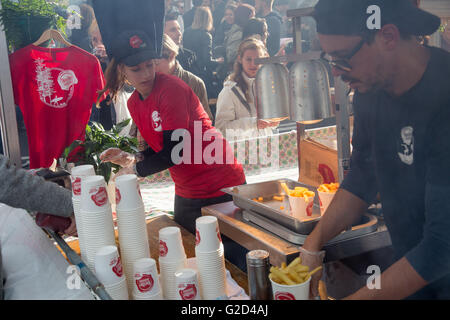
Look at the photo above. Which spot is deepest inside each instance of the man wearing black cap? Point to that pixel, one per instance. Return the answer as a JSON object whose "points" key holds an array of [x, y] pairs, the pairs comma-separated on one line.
{"points": [[401, 141]]}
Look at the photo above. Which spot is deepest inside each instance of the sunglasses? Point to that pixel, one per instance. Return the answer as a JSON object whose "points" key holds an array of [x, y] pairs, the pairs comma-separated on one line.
{"points": [[344, 62]]}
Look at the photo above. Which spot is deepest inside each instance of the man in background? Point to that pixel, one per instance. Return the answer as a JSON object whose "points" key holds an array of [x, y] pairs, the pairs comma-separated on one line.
{"points": [[264, 9]]}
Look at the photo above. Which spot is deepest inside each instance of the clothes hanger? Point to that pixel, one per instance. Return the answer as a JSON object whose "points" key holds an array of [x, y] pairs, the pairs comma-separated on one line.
{"points": [[52, 34]]}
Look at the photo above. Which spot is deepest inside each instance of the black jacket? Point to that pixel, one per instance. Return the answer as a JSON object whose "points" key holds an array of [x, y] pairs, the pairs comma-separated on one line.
{"points": [[200, 42], [274, 21]]}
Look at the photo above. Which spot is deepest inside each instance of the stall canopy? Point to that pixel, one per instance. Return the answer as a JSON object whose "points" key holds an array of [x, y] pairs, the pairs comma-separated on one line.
{"points": [[116, 16]]}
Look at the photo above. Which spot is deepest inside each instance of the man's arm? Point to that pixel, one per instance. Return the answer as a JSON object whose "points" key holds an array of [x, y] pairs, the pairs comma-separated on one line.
{"points": [[399, 281], [343, 211], [21, 189]]}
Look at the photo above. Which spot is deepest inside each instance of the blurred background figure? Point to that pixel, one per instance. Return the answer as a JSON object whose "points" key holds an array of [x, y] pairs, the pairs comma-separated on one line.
{"points": [[172, 9], [82, 37], [236, 110], [233, 37], [219, 7], [186, 58], [264, 9], [445, 37], [224, 25], [198, 38], [256, 28], [188, 17]]}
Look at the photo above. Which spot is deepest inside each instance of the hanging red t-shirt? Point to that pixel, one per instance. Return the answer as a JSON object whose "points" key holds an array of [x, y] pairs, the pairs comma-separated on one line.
{"points": [[55, 90], [208, 160]]}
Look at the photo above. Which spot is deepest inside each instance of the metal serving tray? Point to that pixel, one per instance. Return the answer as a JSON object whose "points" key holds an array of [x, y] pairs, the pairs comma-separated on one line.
{"points": [[243, 198], [366, 225]]}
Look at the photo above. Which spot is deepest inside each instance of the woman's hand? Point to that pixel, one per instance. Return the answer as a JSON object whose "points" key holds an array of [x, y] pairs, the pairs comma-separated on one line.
{"points": [[119, 157], [262, 124]]}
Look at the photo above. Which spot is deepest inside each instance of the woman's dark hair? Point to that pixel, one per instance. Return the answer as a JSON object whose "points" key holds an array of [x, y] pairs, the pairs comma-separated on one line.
{"points": [[243, 13], [255, 26]]}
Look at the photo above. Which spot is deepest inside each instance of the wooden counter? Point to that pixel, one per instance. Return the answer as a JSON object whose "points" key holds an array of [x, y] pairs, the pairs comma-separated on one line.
{"points": [[157, 223], [249, 236]]}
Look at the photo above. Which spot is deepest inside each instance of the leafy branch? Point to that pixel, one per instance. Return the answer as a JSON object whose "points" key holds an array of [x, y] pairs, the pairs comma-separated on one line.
{"points": [[98, 140]]}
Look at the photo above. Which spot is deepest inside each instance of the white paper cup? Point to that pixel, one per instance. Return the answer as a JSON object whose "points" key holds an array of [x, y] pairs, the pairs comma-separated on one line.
{"points": [[207, 234], [77, 173], [186, 285], [128, 196], [94, 196], [118, 291], [156, 296], [108, 267], [170, 244], [293, 292], [167, 276], [146, 279], [301, 209], [325, 200]]}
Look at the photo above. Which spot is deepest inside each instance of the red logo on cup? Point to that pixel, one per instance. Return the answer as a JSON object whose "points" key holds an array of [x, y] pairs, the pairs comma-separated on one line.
{"points": [[321, 204], [118, 196], [117, 269], [284, 296], [197, 237], [100, 197], [218, 234], [309, 209], [189, 292], [76, 186], [145, 283], [136, 42], [163, 248]]}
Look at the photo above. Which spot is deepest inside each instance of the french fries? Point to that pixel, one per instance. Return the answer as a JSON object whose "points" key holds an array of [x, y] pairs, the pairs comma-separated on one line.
{"points": [[299, 192], [292, 274], [278, 198], [329, 188]]}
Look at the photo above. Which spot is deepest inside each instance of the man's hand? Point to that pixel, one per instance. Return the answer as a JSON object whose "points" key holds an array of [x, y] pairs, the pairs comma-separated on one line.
{"points": [[72, 229], [313, 260]]}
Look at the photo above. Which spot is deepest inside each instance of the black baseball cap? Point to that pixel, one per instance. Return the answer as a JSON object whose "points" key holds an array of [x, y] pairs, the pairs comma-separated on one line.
{"points": [[349, 17], [133, 47]]}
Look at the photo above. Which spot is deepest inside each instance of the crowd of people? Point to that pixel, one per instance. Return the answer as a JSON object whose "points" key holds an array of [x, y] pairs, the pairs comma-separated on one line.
{"points": [[207, 47]]}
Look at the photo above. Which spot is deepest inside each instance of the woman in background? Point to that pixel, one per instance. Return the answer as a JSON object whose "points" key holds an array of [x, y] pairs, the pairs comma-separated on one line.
{"points": [[198, 39], [236, 110], [233, 37], [224, 26]]}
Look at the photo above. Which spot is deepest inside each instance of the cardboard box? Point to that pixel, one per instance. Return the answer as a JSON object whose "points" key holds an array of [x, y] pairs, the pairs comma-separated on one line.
{"points": [[317, 163]]}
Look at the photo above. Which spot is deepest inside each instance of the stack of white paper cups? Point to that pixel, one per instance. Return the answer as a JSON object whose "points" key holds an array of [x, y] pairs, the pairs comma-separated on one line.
{"points": [[172, 258], [131, 224], [77, 174], [146, 284], [97, 221], [209, 253], [186, 285], [108, 269]]}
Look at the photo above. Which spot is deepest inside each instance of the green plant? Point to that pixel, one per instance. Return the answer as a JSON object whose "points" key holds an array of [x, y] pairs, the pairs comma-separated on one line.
{"points": [[98, 140], [25, 20]]}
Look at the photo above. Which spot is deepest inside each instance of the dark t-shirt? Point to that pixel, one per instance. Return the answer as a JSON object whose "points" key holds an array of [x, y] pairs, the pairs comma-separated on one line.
{"points": [[401, 149]]}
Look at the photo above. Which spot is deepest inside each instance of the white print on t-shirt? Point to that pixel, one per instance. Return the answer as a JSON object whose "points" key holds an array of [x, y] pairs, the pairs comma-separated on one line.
{"points": [[406, 152], [156, 118], [50, 94]]}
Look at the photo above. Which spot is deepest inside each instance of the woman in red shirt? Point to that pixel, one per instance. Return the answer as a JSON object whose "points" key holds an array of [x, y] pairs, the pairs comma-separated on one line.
{"points": [[177, 129]]}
